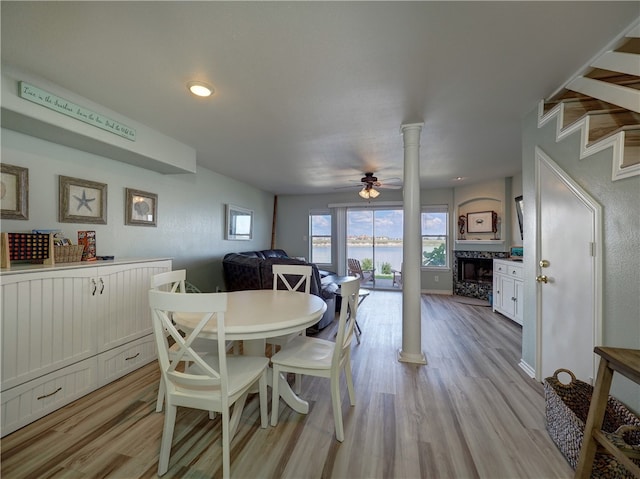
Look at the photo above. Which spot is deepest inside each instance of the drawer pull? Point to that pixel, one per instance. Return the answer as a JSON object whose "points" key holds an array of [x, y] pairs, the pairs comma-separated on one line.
{"points": [[132, 357], [50, 394]]}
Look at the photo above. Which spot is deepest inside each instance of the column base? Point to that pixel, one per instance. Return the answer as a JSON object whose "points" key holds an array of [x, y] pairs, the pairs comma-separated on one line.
{"points": [[404, 357]]}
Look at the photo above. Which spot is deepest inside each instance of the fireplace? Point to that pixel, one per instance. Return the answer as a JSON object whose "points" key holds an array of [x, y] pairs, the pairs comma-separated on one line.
{"points": [[475, 270], [473, 273]]}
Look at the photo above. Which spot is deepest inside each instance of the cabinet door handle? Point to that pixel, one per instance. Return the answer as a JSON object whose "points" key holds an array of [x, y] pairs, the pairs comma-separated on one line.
{"points": [[101, 286], [95, 287], [132, 357], [514, 299], [50, 394]]}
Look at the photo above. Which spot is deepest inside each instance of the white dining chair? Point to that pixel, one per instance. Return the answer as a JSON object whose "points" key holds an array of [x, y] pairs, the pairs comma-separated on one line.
{"points": [[322, 358], [211, 382], [175, 282], [295, 277]]}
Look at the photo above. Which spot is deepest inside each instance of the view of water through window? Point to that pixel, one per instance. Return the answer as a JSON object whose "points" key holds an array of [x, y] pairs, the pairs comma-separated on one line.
{"points": [[374, 237]]}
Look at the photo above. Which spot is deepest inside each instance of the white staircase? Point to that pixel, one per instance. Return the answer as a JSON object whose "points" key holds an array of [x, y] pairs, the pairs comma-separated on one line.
{"points": [[603, 104]]}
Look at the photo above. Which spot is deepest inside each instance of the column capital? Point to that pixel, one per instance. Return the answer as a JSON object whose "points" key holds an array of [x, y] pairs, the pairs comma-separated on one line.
{"points": [[411, 126]]}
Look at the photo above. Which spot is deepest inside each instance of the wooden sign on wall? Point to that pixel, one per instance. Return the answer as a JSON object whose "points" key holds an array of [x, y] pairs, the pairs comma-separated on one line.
{"points": [[66, 107]]}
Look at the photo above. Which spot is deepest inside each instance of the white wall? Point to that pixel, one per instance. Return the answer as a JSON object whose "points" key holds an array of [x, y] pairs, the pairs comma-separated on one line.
{"points": [[190, 226]]}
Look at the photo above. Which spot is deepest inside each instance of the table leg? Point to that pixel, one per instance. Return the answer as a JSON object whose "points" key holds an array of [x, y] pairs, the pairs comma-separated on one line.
{"points": [[595, 417], [291, 398], [256, 347]]}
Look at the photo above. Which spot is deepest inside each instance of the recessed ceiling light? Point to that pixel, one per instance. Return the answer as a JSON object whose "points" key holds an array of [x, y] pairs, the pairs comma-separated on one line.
{"points": [[458, 178], [200, 88]]}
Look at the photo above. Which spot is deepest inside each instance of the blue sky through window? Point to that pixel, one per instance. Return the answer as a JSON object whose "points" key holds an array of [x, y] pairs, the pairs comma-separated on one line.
{"points": [[320, 225], [387, 223], [434, 224]]}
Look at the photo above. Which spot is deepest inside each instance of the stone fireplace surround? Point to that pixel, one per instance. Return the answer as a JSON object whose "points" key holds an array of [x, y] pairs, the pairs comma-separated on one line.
{"points": [[475, 280]]}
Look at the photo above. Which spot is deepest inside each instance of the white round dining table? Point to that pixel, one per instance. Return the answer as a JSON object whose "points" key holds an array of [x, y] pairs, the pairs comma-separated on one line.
{"points": [[254, 315]]}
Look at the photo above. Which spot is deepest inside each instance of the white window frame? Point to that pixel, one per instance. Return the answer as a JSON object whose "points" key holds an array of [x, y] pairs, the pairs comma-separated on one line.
{"points": [[323, 212], [447, 235]]}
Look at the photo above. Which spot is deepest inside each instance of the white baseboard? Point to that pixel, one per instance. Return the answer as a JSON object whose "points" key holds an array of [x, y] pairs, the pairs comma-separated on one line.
{"points": [[531, 372]]}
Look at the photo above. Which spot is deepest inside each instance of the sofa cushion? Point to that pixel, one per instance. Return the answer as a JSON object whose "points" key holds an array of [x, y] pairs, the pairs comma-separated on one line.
{"points": [[242, 272], [266, 253], [250, 254], [274, 253]]}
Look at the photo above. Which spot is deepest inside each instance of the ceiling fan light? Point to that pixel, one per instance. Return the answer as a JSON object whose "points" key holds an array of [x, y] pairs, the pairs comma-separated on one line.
{"points": [[368, 192]]}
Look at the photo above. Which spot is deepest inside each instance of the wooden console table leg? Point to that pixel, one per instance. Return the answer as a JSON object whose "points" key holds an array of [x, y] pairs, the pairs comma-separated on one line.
{"points": [[594, 419]]}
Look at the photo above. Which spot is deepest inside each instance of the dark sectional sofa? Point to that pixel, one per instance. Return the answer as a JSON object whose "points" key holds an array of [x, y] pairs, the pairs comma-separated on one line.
{"points": [[253, 270]]}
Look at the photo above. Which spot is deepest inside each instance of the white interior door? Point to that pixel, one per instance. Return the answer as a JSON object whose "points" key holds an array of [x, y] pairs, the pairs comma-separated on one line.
{"points": [[568, 246]]}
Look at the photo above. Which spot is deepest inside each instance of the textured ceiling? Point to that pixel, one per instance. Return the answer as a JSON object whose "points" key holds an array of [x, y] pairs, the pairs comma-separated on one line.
{"points": [[309, 95]]}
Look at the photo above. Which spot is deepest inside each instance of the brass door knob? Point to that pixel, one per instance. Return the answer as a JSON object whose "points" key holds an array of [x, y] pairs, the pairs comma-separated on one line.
{"points": [[542, 279], [544, 263]]}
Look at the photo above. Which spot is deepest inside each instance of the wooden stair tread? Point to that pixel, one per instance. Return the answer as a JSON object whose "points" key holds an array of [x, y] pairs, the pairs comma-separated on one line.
{"points": [[617, 78], [575, 114], [632, 45]]}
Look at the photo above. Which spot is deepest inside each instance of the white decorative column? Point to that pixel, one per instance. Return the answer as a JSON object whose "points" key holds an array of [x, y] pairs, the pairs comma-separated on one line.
{"points": [[411, 351]]}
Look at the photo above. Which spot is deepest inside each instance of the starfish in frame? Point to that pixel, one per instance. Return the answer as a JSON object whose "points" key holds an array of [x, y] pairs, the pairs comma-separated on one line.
{"points": [[84, 201]]}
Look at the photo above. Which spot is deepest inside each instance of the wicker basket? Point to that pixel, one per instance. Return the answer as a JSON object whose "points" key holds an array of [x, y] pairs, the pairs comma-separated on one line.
{"points": [[68, 253], [567, 407]]}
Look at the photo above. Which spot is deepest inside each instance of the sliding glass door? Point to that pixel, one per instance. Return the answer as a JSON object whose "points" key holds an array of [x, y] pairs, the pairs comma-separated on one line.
{"points": [[374, 238]]}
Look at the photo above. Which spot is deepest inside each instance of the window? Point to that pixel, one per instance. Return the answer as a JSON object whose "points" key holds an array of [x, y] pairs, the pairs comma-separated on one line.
{"points": [[320, 237], [374, 237], [435, 227]]}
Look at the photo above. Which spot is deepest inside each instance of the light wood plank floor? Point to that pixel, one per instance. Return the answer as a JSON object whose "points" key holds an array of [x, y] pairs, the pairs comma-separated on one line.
{"points": [[469, 413]]}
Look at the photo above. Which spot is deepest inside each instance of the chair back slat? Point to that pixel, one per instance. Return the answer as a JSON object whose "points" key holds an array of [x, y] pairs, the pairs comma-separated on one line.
{"points": [[348, 312], [288, 273], [206, 307], [173, 281]]}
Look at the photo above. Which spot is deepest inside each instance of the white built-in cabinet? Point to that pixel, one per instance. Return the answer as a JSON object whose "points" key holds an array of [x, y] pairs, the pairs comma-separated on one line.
{"points": [[70, 329], [508, 282]]}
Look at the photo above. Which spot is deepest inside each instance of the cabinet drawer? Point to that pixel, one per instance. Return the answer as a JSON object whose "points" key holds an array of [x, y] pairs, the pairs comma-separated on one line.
{"points": [[122, 360], [34, 399], [515, 272], [499, 267]]}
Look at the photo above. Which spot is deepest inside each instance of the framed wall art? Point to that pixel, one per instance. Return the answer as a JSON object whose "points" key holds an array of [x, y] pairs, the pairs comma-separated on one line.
{"points": [[82, 201], [239, 224], [482, 222], [141, 208], [14, 192]]}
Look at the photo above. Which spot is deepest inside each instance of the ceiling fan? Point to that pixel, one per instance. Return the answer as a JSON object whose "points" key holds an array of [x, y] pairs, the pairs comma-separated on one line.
{"points": [[369, 183]]}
